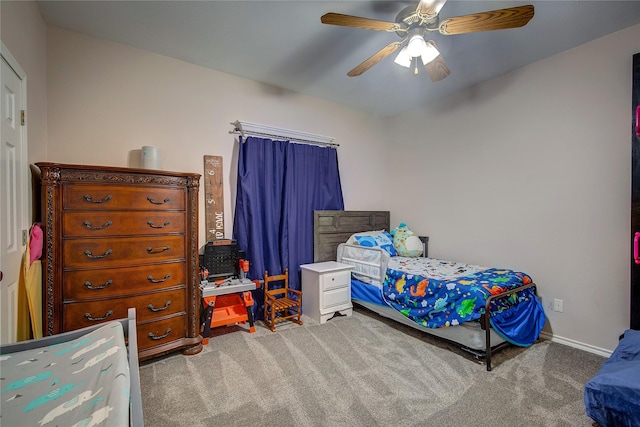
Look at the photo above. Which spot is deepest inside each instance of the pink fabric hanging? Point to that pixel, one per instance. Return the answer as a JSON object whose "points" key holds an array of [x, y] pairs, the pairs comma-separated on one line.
{"points": [[35, 243]]}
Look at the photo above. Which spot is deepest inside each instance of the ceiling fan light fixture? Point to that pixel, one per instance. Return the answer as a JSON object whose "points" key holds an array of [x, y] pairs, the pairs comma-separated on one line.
{"points": [[416, 45], [403, 58], [414, 22], [429, 53]]}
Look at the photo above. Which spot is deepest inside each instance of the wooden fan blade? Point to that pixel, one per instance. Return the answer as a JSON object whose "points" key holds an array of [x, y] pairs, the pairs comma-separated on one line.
{"points": [[437, 69], [357, 22], [374, 59], [500, 19], [430, 8]]}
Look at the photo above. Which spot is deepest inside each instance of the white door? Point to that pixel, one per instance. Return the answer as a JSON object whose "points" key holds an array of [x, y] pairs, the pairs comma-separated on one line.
{"points": [[14, 190]]}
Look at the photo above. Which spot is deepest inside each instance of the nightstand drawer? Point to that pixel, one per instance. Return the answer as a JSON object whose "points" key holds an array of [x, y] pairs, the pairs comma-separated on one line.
{"points": [[340, 279], [336, 298]]}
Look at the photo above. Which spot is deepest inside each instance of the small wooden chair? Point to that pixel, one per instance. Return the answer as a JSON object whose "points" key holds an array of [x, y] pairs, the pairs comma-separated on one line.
{"points": [[277, 304]]}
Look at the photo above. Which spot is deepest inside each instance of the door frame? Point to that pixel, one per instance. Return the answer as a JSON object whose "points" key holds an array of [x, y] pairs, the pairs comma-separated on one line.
{"points": [[634, 295]]}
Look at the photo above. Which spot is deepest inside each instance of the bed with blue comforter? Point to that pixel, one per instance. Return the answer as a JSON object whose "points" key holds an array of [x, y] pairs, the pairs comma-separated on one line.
{"points": [[437, 294], [478, 308]]}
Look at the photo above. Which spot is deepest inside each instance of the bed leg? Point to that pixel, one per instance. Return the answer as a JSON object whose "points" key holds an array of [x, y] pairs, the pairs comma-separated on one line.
{"points": [[487, 315], [487, 329]]}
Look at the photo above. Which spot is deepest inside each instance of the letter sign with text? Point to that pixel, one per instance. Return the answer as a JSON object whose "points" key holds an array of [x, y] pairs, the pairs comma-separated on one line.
{"points": [[213, 197]]}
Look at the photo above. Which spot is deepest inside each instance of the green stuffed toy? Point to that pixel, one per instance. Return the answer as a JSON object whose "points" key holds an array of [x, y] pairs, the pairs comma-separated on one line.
{"points": [[406, 242]]}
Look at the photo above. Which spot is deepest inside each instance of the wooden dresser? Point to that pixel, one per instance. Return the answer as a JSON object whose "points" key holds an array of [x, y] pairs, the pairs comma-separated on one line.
{"points": [[116, 238]]}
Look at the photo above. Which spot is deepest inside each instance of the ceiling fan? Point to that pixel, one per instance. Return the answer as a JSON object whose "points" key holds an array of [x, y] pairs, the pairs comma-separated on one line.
{"points": [[414, 22]]}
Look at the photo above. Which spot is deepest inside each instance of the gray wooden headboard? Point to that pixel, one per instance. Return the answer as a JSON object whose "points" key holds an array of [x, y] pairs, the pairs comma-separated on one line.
{"points": [[330, 228]]}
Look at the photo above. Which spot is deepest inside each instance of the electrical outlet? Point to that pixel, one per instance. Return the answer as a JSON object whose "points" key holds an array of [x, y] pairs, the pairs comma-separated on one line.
{"points": [[558, 305]]}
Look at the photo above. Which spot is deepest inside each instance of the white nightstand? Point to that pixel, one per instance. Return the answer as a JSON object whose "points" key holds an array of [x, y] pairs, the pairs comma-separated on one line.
{"points": [[326, 290]]}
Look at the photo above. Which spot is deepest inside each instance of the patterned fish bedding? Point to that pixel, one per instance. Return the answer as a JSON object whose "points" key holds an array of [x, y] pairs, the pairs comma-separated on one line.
{"points": [[85, 381], [436, 293]]}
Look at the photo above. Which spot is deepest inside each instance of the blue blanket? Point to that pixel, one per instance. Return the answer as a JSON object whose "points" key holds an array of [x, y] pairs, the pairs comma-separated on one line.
{"points": [[433, 303], [612, 397]]}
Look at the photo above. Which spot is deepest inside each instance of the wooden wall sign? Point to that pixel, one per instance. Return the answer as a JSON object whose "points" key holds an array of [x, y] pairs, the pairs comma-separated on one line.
{"points": [[213, 197]]}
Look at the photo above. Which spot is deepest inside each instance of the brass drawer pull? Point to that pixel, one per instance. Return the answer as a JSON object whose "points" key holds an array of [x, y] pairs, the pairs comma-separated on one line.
{"points": [[167, 200], [88, 253], [152, 308], [88, 198], [90, 286], [97, 319], [152, 225], [98, 227], [164, 279], [154, 337], [156, 250]]}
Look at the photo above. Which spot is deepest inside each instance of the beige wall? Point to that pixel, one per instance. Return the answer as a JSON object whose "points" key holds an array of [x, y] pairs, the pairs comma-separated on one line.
{"points": [[107, 100], [532, 171], [24, 33]]}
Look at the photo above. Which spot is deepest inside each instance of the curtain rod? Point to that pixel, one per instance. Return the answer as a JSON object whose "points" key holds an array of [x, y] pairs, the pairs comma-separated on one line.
{"points": [[246, 128]]}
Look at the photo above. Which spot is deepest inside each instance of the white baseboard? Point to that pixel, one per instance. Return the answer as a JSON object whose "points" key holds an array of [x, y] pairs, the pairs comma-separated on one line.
{"points": [[575, 344]]}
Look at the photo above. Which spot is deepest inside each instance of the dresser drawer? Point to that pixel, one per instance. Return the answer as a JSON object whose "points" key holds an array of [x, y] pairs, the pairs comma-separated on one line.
{"points": [[161, 332], [110, 282], [336, 298], [121, 197], [340, 279], [106, 223], [148, 307], [126, 251]]}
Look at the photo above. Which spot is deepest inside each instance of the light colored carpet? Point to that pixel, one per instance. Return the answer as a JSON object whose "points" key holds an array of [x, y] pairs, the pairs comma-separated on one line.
{"points": [[362, 370]]}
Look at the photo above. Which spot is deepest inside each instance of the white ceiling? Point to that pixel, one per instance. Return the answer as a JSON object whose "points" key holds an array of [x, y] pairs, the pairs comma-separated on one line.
{"points": [[283, 43]]}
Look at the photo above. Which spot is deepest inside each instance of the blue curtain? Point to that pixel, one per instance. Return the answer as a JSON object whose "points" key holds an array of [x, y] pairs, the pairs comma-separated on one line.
{"points": [[280, 184]]}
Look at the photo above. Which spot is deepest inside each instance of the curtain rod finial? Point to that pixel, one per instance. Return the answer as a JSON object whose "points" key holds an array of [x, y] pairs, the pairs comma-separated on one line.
{"points": [[238, 128]]}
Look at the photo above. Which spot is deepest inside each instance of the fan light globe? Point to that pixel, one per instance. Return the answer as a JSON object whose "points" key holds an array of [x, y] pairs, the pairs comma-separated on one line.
{"points": [[416, 45], [429, 53], [404, 58]]}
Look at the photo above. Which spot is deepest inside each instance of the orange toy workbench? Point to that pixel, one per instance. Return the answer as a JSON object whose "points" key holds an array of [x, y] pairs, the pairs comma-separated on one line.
{"points": [[226, 303]]}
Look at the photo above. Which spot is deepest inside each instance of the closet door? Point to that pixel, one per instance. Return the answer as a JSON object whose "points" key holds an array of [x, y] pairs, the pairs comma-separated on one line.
{"points": [[635, 197]]}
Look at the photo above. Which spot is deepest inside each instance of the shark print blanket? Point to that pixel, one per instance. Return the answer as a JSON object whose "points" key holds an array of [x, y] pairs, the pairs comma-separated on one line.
{"points": [[439, 294], [83, 382]]}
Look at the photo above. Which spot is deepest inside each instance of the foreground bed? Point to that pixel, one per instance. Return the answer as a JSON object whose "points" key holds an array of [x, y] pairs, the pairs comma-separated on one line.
{"points": [[442, 298], [612, 396], [82, 377]]}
